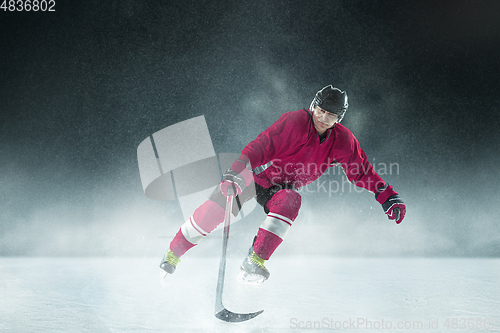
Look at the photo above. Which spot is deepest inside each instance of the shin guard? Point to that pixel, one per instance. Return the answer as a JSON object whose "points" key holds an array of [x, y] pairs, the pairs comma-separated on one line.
{"points": [[283, 209], [204, 219]]}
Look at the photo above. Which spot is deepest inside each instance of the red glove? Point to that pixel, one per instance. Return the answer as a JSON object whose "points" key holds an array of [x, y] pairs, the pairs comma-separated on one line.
{"points": [[391, 203], [238, 176]]}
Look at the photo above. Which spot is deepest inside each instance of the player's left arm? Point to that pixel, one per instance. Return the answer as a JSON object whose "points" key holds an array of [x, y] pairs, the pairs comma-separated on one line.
{"points": [[359, 171]]}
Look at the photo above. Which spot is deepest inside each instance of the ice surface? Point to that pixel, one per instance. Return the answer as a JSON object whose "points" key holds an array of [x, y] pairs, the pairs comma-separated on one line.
{"points": [[127, 295]]}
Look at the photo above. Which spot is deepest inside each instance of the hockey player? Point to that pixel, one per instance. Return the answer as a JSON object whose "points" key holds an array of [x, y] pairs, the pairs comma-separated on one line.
{"points": [[293, 152]]}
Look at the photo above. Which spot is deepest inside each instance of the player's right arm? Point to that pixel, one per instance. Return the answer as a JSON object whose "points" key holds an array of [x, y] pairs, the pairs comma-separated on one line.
{"points": [[263, 149]]}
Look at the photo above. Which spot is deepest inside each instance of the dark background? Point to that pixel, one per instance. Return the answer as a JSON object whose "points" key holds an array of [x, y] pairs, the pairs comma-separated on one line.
{"points": [[81, 87]]}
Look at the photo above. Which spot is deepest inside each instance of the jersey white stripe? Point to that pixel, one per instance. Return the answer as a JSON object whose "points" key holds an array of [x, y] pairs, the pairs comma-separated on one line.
{"points": [[262, 168], [277, 226]]}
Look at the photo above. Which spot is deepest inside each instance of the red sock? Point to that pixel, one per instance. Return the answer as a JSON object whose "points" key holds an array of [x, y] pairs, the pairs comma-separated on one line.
{"points": [[180, 245], [266, 243]]}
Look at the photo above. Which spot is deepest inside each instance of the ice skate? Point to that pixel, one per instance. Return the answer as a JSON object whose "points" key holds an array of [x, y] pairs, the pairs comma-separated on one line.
{"points": [[169, 263], [253, 270]]}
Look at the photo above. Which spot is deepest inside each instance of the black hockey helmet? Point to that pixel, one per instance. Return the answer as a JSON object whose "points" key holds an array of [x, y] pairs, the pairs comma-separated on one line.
{"points": [[332, 100]]}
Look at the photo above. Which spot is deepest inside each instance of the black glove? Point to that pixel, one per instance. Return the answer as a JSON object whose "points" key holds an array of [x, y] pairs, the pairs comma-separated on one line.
{"points": [[237, 177], [392, 204]]}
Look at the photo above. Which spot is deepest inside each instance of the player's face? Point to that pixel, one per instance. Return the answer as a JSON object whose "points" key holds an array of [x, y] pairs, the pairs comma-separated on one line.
{"points": [[323, 120]]}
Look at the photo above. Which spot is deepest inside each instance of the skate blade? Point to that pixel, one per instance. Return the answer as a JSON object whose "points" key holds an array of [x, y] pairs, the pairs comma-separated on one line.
{"points": [[163, 274], [251, 279]]}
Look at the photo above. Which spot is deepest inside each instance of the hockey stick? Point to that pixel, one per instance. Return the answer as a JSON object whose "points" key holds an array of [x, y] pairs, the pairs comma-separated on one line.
{"points": [[220, 311]]}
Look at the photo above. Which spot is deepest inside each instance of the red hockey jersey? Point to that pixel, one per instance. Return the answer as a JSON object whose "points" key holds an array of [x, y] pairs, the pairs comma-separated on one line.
{"points": [[291, 152]]}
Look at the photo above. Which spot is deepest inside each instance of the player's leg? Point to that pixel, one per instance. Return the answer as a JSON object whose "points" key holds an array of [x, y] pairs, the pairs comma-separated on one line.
{"points": [[282, 209], [203, 221]]}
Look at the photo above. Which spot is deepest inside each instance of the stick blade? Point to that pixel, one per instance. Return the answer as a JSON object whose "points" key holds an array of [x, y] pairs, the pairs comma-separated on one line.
{"points": [[232, 317]]}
